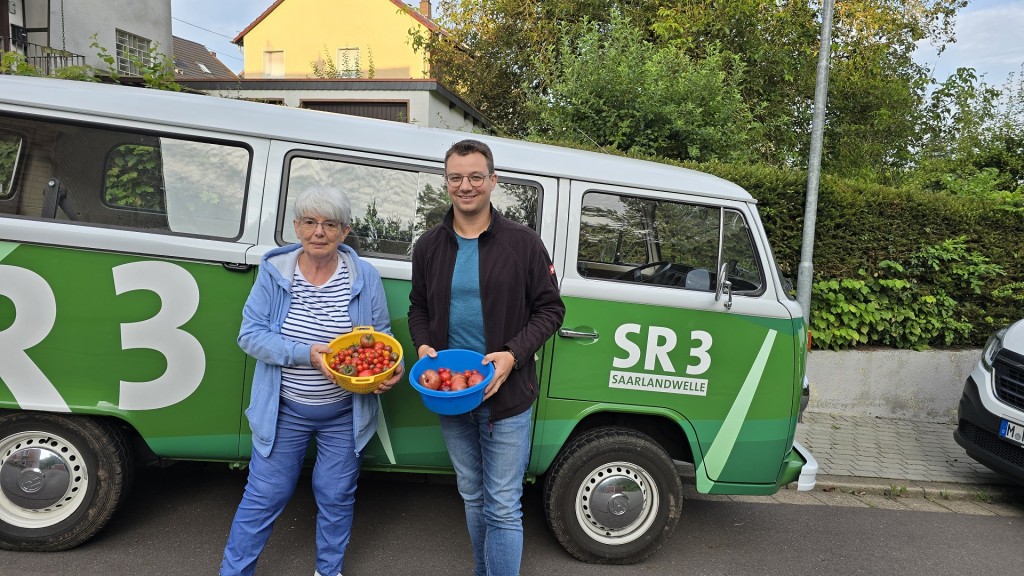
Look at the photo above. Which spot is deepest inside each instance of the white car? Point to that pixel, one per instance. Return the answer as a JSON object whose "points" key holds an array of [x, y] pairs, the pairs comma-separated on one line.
{"points": [[991, 412]]}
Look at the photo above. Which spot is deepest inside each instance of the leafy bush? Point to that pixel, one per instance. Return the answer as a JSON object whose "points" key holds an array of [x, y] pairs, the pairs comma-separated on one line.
{"points": [[961, 256]]}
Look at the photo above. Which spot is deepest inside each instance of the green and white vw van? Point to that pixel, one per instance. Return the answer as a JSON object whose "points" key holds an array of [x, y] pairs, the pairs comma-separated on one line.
{"points": [[131, 222]]}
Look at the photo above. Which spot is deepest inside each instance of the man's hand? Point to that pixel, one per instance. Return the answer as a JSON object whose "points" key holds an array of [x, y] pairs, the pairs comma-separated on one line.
{"points": [[503, 361], [426, 350]]}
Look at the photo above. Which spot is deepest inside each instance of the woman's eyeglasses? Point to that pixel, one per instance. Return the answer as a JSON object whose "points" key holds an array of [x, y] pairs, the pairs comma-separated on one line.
{"points": [[329, 226]]}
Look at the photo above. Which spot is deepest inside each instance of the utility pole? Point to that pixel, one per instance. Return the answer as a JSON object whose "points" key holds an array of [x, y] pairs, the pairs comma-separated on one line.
{"points": [[805, 272]]}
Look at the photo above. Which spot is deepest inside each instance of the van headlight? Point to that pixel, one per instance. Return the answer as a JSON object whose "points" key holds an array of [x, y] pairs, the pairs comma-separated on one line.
{"points": [[992, 347]]}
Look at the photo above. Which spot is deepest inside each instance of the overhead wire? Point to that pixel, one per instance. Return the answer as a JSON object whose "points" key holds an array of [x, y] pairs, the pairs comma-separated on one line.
{"points": [[211, 32]]}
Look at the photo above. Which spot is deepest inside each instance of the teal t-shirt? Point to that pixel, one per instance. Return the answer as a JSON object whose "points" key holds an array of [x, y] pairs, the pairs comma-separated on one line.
{"points": [[465, 316]]}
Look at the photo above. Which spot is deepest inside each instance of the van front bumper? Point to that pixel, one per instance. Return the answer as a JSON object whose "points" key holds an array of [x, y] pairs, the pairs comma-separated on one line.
{"points": [[800, 467], [809, 471], [977, 432]]}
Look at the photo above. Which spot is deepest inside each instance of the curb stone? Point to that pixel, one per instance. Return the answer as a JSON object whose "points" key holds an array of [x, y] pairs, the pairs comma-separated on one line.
{"points": [[1008, 493]]}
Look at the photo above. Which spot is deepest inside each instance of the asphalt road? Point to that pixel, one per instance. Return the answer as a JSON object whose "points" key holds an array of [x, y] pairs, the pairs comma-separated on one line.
{"points": [[176, 521]]}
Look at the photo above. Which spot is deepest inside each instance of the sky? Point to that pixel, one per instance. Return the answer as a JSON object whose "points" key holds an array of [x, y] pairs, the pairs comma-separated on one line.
{"points": [[989, 34]]}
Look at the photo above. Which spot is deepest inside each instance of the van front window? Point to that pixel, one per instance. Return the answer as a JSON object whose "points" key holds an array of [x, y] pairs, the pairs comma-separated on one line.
{"points": [[664, 243]]}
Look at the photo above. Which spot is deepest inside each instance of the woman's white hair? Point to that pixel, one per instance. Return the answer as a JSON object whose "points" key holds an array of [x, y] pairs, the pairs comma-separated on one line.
{"points": [[323, 201]]}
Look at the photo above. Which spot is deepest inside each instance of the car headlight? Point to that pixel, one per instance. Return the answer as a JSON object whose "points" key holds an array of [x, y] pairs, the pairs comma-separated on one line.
{"points": [[992, 347]]}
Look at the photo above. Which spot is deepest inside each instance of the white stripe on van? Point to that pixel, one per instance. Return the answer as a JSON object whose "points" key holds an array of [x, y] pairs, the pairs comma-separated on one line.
{"points": [[714, 462]]}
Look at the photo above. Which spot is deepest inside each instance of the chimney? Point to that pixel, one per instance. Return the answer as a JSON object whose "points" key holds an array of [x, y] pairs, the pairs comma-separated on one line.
{"points": [[425, 8]]}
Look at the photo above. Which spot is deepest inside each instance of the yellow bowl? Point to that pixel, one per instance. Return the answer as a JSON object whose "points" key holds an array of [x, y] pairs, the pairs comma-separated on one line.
{"points": [[362, 384]]}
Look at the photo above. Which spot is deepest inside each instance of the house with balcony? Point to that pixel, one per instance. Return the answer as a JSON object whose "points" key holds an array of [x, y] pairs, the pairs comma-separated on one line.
{"points": [[52, 35], [345, 56]]}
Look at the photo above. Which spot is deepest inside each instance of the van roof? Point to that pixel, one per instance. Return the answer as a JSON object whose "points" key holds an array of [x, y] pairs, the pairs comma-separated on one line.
{"points": [[229, 116]]}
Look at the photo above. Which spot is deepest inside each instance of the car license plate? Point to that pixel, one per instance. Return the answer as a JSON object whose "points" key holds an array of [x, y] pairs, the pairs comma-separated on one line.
{"points": [[1011, 431]]}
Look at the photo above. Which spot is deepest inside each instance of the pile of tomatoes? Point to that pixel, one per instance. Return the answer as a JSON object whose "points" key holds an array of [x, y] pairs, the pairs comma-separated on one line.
{"points": [[369, 358], [444, 380]]}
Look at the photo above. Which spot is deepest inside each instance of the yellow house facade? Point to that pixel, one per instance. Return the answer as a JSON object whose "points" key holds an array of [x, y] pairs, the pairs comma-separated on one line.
{"points": [[361, 38]]}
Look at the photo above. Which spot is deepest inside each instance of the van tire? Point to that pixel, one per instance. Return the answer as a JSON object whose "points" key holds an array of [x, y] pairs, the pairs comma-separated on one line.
{"points": [[621, 460], [73, 507]]}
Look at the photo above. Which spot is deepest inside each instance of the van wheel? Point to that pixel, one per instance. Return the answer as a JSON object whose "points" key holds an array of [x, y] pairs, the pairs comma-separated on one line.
{"points": [[61, 478], [613, 496]]}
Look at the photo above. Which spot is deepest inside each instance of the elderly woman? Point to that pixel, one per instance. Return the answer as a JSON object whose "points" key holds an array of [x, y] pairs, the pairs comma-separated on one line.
{"points": [[305, 295]]}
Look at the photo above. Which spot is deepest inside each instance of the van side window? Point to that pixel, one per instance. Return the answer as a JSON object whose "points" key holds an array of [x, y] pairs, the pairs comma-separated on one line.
{"points": [[10, 151], [391, 206], [125, 179], [663, 243], [738, 252], [133, 178]]}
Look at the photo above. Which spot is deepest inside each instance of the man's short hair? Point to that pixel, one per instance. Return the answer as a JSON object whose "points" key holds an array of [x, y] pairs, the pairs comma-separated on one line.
{"points": [[470, 146]]}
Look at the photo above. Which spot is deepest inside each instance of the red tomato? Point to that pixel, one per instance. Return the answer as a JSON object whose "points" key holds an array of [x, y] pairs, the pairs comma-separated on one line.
{"points": [[430, 379], [458, 382], [366, 373]]}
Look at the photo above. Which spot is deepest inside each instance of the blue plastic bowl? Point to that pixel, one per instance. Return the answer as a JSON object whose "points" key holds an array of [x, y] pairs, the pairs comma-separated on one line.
{"points": [[452, 403]]}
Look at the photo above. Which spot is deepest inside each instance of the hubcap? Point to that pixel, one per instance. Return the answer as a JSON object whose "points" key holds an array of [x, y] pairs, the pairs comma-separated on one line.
{"points": [[617, 503], [43, 479]]}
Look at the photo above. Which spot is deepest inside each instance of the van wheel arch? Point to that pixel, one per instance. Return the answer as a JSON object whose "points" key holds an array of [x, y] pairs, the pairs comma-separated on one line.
{"points": [[612, 496], [89, 467], [664, 431]]}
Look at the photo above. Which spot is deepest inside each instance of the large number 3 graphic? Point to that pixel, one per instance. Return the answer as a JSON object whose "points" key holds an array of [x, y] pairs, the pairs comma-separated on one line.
{"points": [[186, 362], [36, 312]]}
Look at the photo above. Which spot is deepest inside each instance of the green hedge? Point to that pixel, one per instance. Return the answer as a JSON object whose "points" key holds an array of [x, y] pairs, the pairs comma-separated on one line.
{"points": [[892, 267], [900, 268]]}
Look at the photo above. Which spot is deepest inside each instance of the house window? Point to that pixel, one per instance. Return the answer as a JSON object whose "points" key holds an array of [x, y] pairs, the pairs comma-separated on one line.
{"points": [[348, 62], [132, 51], [273, 64]]}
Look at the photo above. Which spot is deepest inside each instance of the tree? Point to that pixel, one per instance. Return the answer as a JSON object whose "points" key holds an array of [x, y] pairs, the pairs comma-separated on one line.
{"points": [[486, 52], [605, 83], [875, 87], [972, 142], [775, 42]]}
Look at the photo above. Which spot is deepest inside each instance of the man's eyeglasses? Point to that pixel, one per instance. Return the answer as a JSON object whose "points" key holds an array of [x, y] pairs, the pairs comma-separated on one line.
{"points": [[330, 226], [476, 179]]}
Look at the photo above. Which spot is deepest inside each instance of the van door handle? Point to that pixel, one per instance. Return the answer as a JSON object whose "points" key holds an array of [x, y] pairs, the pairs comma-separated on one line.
{"points": [[236, 266], [565, 333]]}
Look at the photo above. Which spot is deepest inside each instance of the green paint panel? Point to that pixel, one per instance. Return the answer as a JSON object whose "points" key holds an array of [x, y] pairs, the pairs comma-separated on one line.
{"points": [[722, 347], [113, 331], [85, 356]]}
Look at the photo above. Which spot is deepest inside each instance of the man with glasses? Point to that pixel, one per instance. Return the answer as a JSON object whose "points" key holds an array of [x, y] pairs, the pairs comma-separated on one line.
{"points": [[483, 282]]}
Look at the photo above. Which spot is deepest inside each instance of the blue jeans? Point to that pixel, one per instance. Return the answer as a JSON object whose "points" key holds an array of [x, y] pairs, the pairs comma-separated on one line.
{"points": [[490, 460], [272, 482]]}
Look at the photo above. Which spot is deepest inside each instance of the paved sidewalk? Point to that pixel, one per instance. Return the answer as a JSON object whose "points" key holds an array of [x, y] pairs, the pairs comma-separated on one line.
{"points": [[862, 454], [868, 447]]}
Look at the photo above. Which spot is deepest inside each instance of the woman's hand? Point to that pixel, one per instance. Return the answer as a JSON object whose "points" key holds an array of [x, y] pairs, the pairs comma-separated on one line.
{"points": [[390, 382], [316, 359]]}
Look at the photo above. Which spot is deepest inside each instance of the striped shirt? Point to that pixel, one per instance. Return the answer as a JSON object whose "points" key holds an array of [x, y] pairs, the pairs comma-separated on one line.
{"points": [[318, 314]]}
